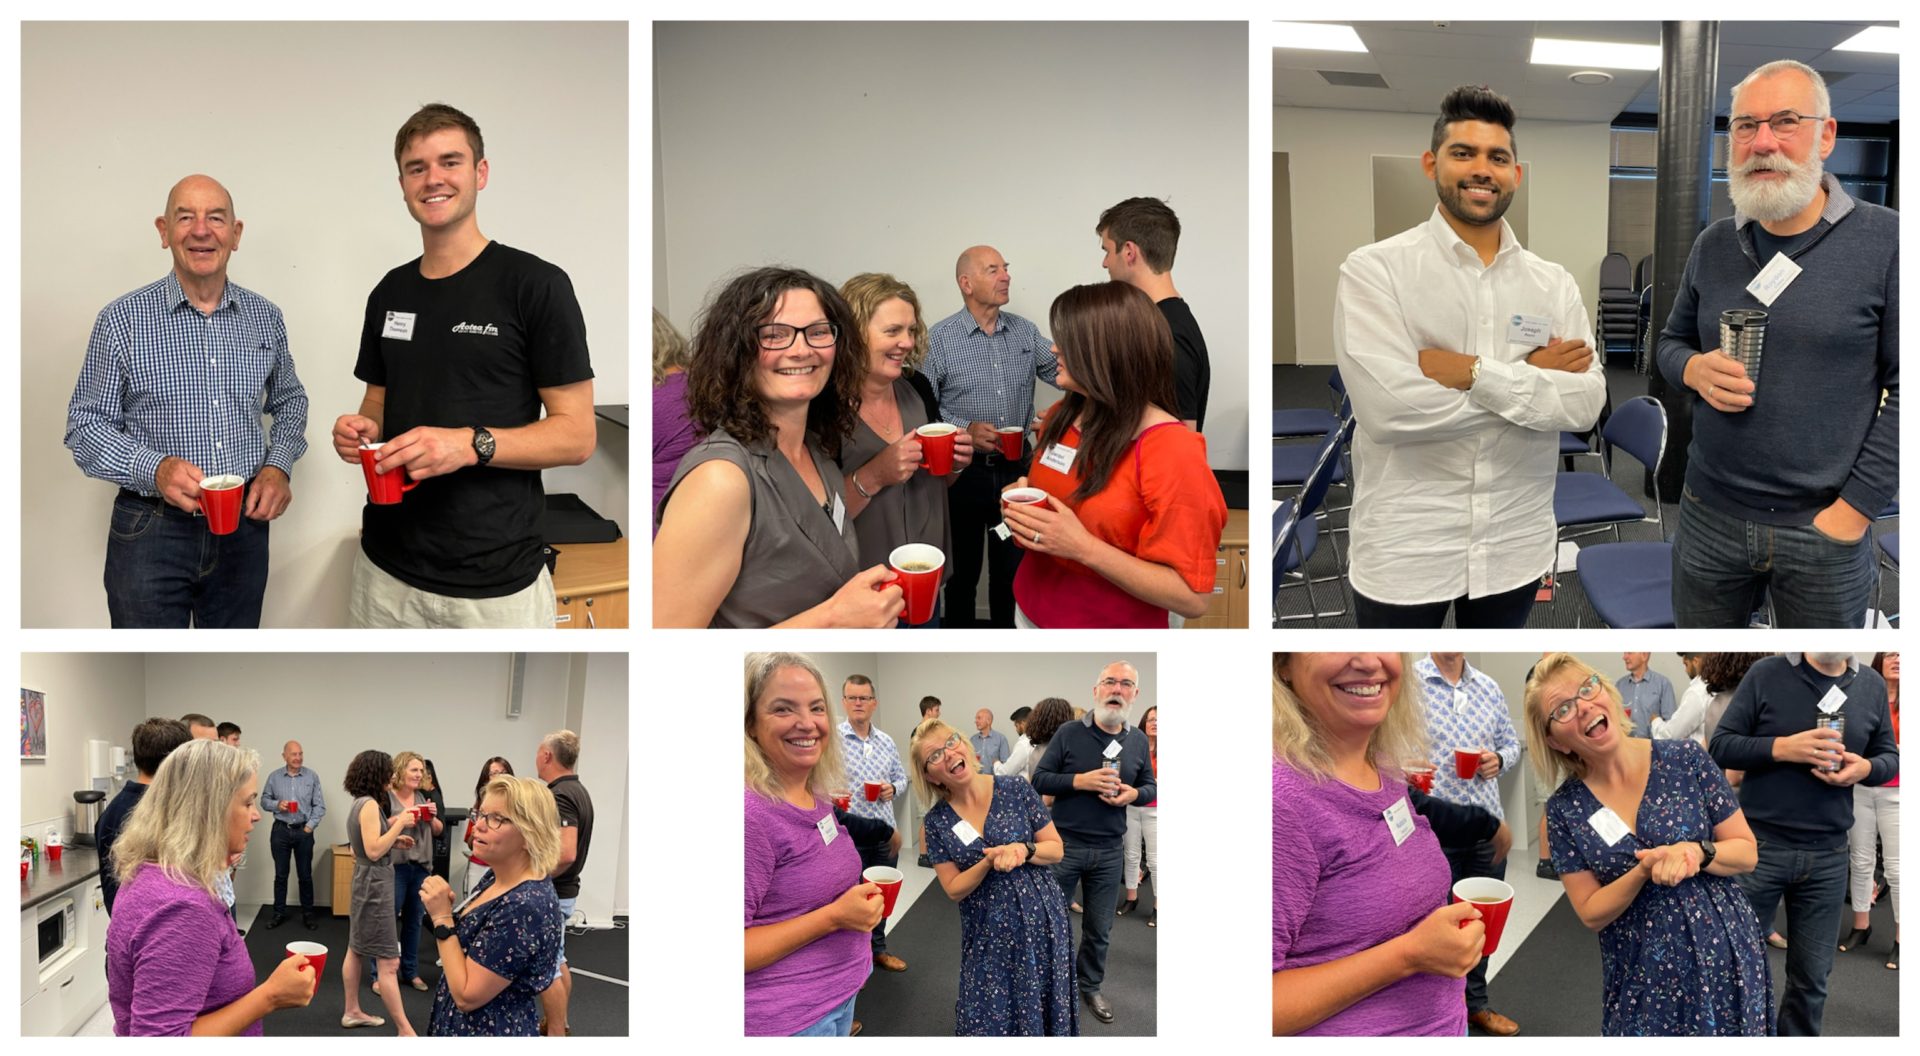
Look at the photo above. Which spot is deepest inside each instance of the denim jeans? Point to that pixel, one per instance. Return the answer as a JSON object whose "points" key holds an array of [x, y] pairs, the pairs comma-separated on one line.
{"points": [[835, 1024], [1723, 566], [870, 856], [1814, 884], [407, 878], [1503, 611], [292, 842], [1463, 862], [566, 914], [164, 569], [1096, 871]]}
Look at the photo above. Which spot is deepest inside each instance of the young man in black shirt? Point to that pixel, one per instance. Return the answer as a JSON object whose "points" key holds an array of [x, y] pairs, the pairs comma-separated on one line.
{"points": [[1139, 237], [461, 350], [554, 762]]}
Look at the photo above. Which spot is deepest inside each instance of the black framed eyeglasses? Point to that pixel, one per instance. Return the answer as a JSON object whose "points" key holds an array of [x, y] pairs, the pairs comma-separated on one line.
{"points": [[1116, 683], [1785, 124], [940, 753], [1563, 711], [776, 336], [491, 821]]}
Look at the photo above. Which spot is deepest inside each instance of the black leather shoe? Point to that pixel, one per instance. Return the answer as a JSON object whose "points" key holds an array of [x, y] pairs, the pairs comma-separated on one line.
{"points": [[278, 919], [1102, 1011], [310, 923]]}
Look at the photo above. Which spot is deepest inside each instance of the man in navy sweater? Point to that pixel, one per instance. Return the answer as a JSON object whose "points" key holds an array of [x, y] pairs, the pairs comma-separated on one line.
{"points": [[1787, 469], [1800, 811], [1090, 810]]}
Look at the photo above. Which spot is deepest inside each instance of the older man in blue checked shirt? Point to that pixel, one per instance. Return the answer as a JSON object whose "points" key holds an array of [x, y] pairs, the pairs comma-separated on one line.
{"points": [[292, 841], [872, 756], [178, 377]]}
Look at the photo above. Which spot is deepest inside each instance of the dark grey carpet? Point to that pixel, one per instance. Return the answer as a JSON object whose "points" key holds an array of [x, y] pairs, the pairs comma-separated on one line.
{"points": [[1306, 386], [919, 1001]]}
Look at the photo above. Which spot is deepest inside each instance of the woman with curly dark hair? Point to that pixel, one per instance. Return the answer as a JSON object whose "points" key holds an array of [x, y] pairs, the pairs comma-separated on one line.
{"points": [[754, 528], [372, 831], [1722, 673]]}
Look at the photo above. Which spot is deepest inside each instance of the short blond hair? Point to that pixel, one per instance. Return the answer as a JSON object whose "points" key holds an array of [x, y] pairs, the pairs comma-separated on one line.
{"points": [[180, 823], [1552, 764], [926, 733], [529, 805], [829, 772], [1298, 740]]}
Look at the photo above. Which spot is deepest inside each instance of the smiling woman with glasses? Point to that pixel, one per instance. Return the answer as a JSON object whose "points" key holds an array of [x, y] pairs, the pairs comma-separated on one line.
{"points": [[1647, 837]]}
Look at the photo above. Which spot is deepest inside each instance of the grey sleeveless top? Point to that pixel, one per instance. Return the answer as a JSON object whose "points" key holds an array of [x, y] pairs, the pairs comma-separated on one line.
{"points": [[795, 555], [913, 512]]}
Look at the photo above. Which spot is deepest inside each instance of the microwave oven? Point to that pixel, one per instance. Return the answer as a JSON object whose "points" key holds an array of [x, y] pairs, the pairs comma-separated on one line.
{"points": [[59, 927]]}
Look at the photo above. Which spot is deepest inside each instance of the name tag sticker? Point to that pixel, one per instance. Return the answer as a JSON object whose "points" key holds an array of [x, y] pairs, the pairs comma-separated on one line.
{"points": [[1608, 825], [399, 326], [1059, 458], [1531, 330], [828, 830], [1113, 750], [1399, 821], [965, 830], [1832, 701], [1773, 279]]}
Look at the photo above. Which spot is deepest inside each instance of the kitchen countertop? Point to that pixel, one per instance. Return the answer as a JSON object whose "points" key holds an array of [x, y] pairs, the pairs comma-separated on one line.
{"points": [[77, 865]]}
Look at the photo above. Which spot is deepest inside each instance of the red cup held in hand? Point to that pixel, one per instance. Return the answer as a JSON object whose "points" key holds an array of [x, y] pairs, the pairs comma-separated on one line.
{"points": [[289, 806], [1013, 441], [873, 790], [916, 567], [889, 880], [220, 501], [315, 954], [1421, 777], [843, 800], [1023, 497], [384, 489], [936, 449], [1493, 898], [1465, 764]]}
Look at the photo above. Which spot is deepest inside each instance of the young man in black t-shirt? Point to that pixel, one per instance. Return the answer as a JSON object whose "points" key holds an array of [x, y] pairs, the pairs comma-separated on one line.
{"points": [[554, 762], [1139, 237], [461, 350]]}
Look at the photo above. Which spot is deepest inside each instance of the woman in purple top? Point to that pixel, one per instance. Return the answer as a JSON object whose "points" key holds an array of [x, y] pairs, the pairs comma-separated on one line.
{"points": [[674, 433], [175, 963], [1364, 942], [808, 913]]}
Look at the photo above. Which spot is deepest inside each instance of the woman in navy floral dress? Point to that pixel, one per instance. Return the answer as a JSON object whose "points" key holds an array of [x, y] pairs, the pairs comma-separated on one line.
{"points": [[990, 840], [1647, 837], [506, 942]]}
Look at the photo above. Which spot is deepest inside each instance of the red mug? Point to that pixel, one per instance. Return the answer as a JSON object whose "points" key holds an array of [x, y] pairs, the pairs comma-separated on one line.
{"points": [[426, 812], [220, 501], [316, 956], [916, 567], [289, 806], [24, 866], [936, 449], [843, 800], [1421, 777], [1465, 763], [873, 790], [889, 880], [1013, 441], [1493, 898], [384, 489]]}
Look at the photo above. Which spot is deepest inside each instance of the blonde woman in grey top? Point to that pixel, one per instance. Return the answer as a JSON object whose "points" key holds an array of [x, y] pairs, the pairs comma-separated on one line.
{"points": [[412, 864]]}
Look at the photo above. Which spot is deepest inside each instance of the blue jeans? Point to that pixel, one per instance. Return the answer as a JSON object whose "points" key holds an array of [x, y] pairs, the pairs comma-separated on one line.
{"points": [[1096, 871], [1814, 884], [292, 845], [407, 878], [835, 1024], [1723, 566], [566, 914], [164, 569]]}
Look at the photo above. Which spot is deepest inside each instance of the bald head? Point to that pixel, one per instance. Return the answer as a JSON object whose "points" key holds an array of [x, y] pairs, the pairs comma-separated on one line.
{"points": [[293, 755], [981, 273], [193, 186], [201, 232]]}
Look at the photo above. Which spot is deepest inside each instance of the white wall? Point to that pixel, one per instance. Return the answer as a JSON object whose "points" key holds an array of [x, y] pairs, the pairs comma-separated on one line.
{"points": [[90, 696], [297, 120], [1331, 151], [933, 137]]}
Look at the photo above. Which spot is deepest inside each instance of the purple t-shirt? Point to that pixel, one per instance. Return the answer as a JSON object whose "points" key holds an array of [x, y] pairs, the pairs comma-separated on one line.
{"points": [[673, 436], [793, 870], [173, 955], [1341, 886]]}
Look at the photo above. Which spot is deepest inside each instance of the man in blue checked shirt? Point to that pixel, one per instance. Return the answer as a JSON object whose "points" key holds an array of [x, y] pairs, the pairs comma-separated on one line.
{"points": [[981, 362], [1466, 711], [293, 830], [872, 756], [1648, 695], [177, 380]]}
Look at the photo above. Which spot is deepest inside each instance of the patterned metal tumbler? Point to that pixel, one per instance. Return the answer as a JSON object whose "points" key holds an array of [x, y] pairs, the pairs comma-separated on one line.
{"points": [[1742, 332]]}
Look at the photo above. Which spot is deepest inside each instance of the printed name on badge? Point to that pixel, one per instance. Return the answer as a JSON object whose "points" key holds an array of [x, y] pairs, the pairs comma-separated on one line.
{"points": [[399, 326], [965, 830], [1059, 458], [1773, 279], [828, 830], [1608, 825], [1399, 821], [1533, 331], [1832, 701]]}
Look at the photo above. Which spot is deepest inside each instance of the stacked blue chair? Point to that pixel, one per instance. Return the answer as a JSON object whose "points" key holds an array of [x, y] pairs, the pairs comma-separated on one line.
{"points": [[1628, 584]]}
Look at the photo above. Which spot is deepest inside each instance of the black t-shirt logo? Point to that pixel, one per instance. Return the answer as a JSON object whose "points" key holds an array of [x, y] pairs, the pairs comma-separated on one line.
{"points": [[478, 329]]}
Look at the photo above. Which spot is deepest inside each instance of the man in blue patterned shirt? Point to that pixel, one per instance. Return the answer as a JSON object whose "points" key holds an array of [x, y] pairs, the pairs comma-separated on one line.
{"points": [[1466, 711], [177, 379], [872, 756], [981, 362], [1648, 695]]}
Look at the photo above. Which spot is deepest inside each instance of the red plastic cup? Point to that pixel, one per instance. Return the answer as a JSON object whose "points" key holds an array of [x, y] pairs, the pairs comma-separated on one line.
{"points": [[1465, 763], [843, 800], [873, 790], [936, 450], [24, 866], [1421, 777], [889, 880], [220, 501], [916, 567], [384, 489], [426, 812], [1013, 441], [53, 853], [1022, 496], [316, 955], [289, 805], [1493, 898]]}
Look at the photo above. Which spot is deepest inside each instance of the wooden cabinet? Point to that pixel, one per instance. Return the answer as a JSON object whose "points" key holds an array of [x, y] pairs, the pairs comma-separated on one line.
{"points": [[342, 879], [590, 585], [1231, 577]]}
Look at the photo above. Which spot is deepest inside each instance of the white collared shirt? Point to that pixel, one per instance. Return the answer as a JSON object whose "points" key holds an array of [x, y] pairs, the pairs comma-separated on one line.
{"points": [[1454, 490]]}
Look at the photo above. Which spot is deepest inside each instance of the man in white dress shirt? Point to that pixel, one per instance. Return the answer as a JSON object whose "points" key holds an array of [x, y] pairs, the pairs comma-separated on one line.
{"points": [[1465, 356]]}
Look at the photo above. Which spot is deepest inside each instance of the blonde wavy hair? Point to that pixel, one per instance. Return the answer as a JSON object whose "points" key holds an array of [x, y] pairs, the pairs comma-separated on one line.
{"points": [[829, 772], [400, 764], [867, 291], [669, 348], [529, 803], [180, 823], [1298, 740], [927, 733], [1552, 764]]}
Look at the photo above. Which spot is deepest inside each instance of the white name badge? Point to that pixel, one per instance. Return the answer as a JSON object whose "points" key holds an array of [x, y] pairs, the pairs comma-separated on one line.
{"points": [[1399, 821], [965, 830], [399, 326], [1113, 750], [828, 830], [839, 513], [1531, 330], [1059, 458], [1773, 279], [1832, 701], [1608, 825]]}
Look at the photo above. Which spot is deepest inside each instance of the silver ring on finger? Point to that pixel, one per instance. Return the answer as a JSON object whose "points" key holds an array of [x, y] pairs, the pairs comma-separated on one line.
{"points": [[1036, 538], [1710, 392]]}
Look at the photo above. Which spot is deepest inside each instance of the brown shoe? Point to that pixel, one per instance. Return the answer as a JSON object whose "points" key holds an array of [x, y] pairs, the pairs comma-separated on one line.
{"points": [[888, 962], [855, 1032], [1494, 1023]]}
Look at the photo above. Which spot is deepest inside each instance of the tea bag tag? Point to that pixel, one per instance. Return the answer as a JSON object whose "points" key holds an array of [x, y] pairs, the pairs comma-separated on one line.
{"points": [[1831, 703], [1399, 820], [1059, 458], [1773, 279], [966, 832], [1608, 825], [1002, 531], [828, 830]]}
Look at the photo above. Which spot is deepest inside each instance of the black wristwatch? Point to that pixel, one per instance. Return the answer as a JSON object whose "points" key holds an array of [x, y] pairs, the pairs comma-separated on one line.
{"points": [[483, 444], [1707, 851], [1031, 850], [444, 931]]}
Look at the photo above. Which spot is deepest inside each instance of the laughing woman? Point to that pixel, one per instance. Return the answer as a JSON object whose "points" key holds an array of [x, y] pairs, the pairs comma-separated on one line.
{"points": [[1647, 837]]}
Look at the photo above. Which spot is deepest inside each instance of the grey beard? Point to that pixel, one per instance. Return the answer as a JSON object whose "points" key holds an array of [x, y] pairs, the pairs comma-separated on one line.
{"points": [[1769, 203]]}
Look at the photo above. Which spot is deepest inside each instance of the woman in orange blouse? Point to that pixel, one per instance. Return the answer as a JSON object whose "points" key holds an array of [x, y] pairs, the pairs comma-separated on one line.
{"points": [[1133, 514]]}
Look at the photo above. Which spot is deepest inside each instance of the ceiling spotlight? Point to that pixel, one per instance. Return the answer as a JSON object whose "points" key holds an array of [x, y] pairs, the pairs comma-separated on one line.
{"points": [[1590, 78]]}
